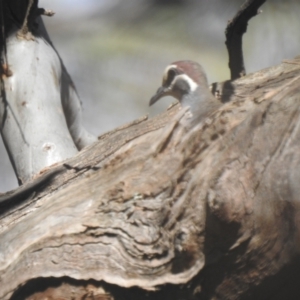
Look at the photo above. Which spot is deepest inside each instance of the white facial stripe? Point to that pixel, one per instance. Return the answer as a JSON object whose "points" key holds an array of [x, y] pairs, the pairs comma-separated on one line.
{"points": [[193, 85], [165, 77]]}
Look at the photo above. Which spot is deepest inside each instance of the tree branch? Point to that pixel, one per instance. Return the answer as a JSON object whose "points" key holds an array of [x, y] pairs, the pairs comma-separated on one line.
{"points": [[212, 214], [234, 34]]}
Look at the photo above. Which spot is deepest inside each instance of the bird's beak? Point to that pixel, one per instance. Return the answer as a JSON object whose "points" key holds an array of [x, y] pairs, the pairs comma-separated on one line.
{"points": [[161, 92]]}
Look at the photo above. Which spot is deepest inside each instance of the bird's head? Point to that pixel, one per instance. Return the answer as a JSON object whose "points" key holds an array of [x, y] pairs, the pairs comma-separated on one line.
{"points": [[181, 78]]}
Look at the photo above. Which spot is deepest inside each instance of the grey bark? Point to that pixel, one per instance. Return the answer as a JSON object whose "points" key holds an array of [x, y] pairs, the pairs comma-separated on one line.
{"points": [[40, 111]]}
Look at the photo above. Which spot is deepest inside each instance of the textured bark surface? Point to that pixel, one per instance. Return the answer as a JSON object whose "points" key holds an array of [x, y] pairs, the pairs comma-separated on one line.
{"points": [[153, 210]]}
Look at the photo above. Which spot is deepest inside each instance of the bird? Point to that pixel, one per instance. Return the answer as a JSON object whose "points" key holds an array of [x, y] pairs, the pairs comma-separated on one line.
{"points": [[186, 81]]}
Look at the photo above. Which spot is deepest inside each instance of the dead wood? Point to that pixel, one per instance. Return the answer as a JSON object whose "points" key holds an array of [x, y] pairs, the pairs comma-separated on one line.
{"points": [[155, 211], [234, 36]]}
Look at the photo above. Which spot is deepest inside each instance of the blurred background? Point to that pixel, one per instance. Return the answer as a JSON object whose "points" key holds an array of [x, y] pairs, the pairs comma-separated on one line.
{"points": [[116, 51]]}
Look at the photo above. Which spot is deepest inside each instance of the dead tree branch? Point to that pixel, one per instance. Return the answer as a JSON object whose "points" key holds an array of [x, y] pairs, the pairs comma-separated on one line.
{"points": [[211, 213], [234, 35]]}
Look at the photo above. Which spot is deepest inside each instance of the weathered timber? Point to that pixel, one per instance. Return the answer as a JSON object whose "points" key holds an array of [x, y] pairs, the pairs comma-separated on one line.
{"points": [[206, 213]]}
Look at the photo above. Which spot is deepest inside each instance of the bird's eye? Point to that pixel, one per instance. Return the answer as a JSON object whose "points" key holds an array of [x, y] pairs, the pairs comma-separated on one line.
{"points": [[170, 77]]}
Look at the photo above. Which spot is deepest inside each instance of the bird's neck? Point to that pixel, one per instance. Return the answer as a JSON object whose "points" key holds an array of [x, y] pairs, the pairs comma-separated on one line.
{"points": [[201, 103]]}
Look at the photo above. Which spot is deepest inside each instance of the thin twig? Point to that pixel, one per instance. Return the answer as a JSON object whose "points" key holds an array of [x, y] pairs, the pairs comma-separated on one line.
{"points": [[24, 31]]}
